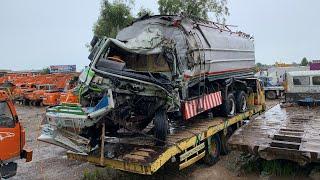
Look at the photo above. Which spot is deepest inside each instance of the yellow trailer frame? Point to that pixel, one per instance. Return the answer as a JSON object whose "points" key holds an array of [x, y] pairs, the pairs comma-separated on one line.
{"points": [[188, 148]]}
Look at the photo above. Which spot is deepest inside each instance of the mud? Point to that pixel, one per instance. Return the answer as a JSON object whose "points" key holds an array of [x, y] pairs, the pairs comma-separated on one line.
{"points": [[287, 132], [50, 162]]}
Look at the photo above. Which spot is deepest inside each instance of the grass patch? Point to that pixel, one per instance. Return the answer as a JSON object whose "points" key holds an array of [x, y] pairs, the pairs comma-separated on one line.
{"points": [[246, 164], [107, 173], [280, 168]]}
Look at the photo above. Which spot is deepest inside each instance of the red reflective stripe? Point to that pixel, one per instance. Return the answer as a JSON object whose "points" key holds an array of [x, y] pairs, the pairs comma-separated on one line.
{"points": [[211, 101], [186, 106], [216, 99], [194, 108], [220, 97], [206, 102], [190, 109], [202, 102]]}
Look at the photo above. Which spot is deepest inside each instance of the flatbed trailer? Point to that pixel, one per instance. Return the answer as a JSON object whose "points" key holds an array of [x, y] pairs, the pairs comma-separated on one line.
{"points": [[184, 146], [286, 131]]}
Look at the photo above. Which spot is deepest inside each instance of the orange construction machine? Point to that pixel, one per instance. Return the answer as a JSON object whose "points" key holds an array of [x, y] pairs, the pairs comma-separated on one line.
{"points": [[12, 138], [21, 89], [69, 97], [36, 97], [65, 94]]}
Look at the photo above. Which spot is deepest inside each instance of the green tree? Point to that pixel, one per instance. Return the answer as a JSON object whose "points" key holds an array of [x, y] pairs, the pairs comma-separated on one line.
{"points": [[144, 11], [113, 17], [259, 65], [45, 71], [304, 62], [197, 8]]}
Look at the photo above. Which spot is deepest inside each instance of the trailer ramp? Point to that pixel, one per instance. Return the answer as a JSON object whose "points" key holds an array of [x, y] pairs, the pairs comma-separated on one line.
{"points": [[286, 131]]}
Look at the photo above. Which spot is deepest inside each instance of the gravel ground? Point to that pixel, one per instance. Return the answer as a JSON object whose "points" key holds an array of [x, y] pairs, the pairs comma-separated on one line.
{"points": [[50, 162]]}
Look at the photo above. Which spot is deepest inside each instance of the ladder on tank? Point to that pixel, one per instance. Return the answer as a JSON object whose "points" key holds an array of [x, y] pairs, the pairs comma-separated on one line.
{"points": [[202, 74]]}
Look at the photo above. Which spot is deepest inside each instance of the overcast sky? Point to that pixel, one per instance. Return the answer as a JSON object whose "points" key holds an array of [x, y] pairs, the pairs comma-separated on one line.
{"points": [[38, 33]]}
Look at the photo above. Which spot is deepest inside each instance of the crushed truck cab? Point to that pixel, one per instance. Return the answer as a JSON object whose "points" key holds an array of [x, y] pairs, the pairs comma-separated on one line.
{"points": [[12, 138]]}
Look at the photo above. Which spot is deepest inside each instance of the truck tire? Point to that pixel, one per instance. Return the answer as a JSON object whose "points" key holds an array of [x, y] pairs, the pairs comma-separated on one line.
{"points": [[271, 95], [225, 149], [160, 126], [229, 106], [213, 150], [241, 102], [8, 170]]}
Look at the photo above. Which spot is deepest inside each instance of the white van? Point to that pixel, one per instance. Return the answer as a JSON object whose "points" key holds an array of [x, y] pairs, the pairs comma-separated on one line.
{"points": [[301, 85]]}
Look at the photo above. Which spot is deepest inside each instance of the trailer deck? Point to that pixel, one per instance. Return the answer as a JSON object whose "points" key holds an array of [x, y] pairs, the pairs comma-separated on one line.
{"points": [[286, 131], [185, 146]]}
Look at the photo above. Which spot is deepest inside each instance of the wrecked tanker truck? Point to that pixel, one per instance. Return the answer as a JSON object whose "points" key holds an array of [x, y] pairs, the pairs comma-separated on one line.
{"points": [[157, 70]]}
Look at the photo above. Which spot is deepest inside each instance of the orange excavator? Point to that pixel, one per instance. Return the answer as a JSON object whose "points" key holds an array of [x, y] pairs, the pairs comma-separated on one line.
{"points": [[12, 138], [36, 97], [21, 89], [67, 82]]}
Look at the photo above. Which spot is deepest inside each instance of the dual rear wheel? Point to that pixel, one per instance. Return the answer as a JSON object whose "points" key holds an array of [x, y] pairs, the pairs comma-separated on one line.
{"points": [[231, 105], [234, 102]]}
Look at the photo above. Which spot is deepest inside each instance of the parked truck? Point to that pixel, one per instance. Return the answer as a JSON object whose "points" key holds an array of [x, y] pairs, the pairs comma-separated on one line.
{"points": [[271, 91], [168, 87], [160, 68], [203, 138], [12, 138]]}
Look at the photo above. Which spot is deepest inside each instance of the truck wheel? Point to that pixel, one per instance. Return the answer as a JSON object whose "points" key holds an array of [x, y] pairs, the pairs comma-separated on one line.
{"points": [[271, 95], [241, 102], [8, 170], [225, 149], [213, 150], [160, 125], [229, 105]]}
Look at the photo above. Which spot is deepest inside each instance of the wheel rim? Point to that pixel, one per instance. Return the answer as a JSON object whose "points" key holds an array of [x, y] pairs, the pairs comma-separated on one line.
{"points": [[271, 95], [244, 104], [233, 108], [213, 148]]}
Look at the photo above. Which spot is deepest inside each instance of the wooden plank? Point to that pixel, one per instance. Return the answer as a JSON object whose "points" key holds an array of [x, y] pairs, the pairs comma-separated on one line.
{"points": [[287, 138], [291, 129]]}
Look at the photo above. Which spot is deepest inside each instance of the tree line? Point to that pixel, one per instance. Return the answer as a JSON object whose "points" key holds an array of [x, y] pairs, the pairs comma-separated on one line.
{"points": [[117, 14]]}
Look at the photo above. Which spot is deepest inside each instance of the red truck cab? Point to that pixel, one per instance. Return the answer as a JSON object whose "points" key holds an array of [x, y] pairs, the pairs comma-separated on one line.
{"points": [[12, 138]]}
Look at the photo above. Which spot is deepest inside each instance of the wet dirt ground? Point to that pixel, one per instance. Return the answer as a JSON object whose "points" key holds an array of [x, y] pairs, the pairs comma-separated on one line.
{"points": [[50, 162]]}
